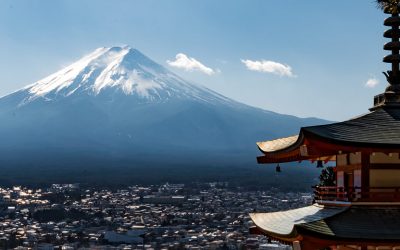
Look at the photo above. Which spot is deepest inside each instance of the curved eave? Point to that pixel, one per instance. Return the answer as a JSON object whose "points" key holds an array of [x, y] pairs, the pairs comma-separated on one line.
{"points": [[290, 235], [377, 131], [317, 147], [281, 150], [283, 225], [279, 145]]}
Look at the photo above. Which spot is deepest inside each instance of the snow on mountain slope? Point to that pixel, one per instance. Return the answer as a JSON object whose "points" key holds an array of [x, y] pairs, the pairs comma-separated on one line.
{"points": [[120, 69], [117, 105]]}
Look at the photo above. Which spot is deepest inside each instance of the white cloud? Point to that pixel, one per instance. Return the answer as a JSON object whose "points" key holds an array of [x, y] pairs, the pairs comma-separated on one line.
{"points": [[269, 67], [187, 63], [372, 82]]}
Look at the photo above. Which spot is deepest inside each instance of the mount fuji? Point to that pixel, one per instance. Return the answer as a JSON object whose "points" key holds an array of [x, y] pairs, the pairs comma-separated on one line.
{"points": [[116, 107]]}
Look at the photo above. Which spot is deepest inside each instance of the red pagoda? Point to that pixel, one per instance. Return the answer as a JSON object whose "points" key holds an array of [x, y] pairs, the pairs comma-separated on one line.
{"points": [[362, 209]]}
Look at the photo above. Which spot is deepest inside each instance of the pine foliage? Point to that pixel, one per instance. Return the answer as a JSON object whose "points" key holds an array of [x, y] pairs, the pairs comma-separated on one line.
{"points": [[327, 177], [389, 6]]}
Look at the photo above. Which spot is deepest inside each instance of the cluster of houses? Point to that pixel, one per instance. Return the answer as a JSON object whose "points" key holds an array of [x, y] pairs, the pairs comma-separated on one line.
{"points": [[169, 216]]}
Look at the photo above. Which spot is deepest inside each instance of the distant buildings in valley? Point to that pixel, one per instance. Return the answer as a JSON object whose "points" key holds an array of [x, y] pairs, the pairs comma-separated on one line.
{"points": [[170, 216]]}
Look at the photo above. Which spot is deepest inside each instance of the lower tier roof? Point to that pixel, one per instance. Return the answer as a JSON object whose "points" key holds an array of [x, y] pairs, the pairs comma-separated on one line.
{"points": [[360, 223], [354, 223], [284, 223]]}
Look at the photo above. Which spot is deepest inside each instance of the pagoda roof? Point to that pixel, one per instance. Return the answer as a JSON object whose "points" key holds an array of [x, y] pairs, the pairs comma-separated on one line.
{"points": [[379, 129], [359, 223], [283, 224], [354, 223]]}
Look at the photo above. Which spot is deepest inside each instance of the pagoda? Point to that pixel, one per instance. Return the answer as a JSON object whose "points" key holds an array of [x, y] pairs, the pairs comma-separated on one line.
{"points": [[361, 210]]}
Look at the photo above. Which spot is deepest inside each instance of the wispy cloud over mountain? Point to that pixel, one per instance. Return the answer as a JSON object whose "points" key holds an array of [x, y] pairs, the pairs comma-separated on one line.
{"points": [[187, 63], [269, 67], [372, 82]]}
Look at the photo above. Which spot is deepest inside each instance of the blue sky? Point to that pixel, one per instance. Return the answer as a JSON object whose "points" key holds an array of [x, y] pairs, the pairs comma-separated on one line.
{"points": [[332, 47]]}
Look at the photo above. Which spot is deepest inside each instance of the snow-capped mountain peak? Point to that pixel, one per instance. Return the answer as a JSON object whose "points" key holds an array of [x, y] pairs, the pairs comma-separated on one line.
{"points": [[120, 69], [118, 109]]}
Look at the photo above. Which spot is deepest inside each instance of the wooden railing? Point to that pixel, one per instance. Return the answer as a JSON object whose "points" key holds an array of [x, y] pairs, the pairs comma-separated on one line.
{"points": [[353, 194]]}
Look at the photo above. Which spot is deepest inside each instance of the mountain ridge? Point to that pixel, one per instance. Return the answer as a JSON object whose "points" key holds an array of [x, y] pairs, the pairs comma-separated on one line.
{"points": [[129, 111]]}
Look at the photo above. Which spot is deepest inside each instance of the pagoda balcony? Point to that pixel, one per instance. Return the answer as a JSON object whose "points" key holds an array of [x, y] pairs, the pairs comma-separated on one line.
{"points": [[353, 195], [379, 100]]}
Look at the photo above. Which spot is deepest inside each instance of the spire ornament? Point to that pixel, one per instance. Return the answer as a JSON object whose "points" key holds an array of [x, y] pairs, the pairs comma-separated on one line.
{"points": [[391, 96]]}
